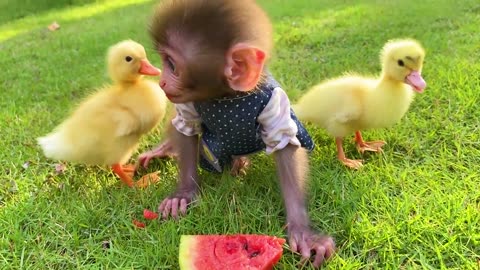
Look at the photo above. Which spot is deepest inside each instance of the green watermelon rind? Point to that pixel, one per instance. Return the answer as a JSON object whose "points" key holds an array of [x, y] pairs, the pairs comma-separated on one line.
{"points": [[186, 253]]}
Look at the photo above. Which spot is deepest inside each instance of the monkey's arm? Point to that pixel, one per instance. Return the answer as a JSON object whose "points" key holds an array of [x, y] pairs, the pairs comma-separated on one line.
{"points": [[292, 168], [187, 121], [187, 161], [188, 180], [278, 128]]}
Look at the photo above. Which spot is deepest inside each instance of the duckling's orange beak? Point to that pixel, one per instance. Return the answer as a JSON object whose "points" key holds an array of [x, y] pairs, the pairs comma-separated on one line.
{"points": [[148, 69], [415, 80]]}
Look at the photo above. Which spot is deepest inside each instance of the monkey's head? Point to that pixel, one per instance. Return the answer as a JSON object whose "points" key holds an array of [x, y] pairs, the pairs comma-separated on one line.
{"points": [[210, 48]]}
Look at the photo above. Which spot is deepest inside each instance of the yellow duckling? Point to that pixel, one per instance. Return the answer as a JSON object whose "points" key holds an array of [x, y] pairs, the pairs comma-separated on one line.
{"points": [[352, 103], [106, 127]]}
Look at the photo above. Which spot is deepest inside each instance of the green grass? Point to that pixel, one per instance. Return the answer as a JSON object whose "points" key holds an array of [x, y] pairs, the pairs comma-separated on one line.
{"points": [[416, 206]]}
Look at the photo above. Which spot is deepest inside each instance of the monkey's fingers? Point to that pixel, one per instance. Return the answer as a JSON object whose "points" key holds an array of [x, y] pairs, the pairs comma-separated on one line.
{"points": [[304, 250], [330, 246], [164, 150], [165, 207], [323, 246], [174, 211], [144, 159], [293, 244], [319, 255], [183, 206]]}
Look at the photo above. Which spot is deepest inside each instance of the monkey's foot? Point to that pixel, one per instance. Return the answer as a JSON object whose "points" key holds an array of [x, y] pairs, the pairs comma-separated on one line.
{"points": [[164, 150], [240, 166], [352, 163], [176, 204], [375, 146], [303, 240], [147, 180]]}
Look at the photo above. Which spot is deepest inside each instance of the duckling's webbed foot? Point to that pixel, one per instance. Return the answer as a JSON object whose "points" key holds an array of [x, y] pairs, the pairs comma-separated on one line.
{"points": [[124, 176], [129, 169], [240, 166], [351, 163], [362, 146], [126, 172], [147, 180], [375, 146]]}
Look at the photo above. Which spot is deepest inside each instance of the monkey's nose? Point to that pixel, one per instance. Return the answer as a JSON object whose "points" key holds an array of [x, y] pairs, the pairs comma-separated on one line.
{"points": [[162, 84]]}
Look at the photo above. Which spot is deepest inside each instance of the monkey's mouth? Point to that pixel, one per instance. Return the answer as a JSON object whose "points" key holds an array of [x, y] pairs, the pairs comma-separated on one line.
{"points": [[171, 97]]}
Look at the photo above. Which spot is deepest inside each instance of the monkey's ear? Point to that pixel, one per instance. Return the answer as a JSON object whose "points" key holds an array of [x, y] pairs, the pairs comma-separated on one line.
{"points": [[244, 66]]}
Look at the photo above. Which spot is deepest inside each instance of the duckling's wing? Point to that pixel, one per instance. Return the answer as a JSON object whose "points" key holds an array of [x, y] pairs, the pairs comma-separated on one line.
{"points": [[350, 110], [125, 122]]}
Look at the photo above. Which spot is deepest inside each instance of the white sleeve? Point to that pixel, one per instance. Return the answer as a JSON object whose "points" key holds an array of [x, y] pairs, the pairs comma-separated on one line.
{"points": [[278, 128], [187, 121]]}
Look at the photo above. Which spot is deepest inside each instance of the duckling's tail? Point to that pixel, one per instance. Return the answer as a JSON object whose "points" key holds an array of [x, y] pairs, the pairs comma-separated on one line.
{"points": [[54, 146]]}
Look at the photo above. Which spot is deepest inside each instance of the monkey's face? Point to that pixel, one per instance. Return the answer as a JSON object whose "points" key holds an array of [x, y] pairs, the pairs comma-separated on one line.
{"points": [[185, 78], [170, 81], [210, 48]]}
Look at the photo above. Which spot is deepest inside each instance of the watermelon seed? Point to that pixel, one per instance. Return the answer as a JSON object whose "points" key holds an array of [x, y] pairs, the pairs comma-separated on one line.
{"points": [[245, 246], [254, 254]]}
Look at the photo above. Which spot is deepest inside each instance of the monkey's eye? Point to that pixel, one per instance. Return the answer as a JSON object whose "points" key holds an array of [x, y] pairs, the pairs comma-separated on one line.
{"points": [[400, 63], [171, 64], [128, 58]]}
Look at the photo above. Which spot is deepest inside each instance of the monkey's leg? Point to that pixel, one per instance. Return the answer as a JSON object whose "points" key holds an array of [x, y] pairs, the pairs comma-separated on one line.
{"points": [[240, 166], [351, 163], [362, 146]]}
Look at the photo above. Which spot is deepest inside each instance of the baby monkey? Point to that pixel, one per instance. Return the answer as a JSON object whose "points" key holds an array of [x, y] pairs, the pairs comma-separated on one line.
{"points": [[228, 106]]}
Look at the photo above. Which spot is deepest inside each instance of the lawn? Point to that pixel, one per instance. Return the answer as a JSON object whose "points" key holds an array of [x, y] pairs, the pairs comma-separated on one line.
{"points": [[416, 206]]}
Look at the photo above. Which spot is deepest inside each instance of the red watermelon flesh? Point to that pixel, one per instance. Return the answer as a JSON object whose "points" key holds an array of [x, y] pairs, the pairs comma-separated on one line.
{"points": [[229, 252]]}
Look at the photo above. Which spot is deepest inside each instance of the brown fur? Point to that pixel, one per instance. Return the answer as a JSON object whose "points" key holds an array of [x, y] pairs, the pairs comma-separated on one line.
{"points": [[205, 29]]}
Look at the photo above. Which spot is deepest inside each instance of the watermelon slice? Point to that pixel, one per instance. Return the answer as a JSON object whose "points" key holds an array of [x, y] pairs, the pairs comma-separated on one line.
{"points": [[229, 252]]}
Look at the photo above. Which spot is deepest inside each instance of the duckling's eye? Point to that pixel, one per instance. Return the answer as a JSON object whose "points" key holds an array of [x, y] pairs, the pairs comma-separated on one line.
{"points": [[400, 63], [171, 64], [128, 58]]}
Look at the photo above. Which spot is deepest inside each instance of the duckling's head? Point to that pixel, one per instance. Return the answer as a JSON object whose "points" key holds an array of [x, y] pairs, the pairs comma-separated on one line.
{"points": [[402, 60], [127, 62]]}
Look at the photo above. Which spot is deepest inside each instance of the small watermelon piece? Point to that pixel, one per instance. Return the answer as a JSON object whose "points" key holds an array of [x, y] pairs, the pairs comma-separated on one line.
{"points": [[229, 252], [148, 214], [138, 224]]}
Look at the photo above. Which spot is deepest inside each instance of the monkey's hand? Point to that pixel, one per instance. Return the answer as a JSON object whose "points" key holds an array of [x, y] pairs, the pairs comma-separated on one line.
{"points": [[176, 204], [164, 150], [304, 240]]}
